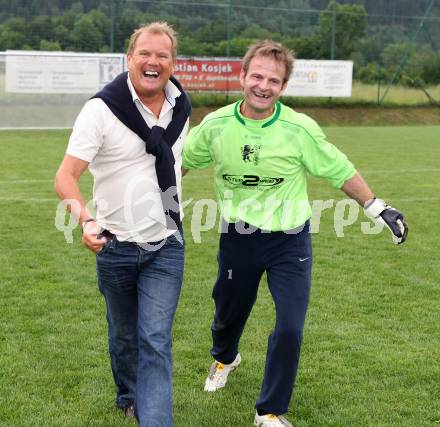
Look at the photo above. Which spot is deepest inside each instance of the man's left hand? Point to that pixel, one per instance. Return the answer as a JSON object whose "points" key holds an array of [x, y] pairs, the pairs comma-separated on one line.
{"points": [[382, 213]]}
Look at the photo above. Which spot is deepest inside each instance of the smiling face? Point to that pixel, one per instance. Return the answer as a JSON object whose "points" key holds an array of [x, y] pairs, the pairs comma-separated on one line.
{"points": [[150, 65], [262, 85]]}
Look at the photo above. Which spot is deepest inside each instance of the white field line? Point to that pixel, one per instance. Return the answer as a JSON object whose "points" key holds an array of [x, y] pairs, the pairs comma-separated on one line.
{"points": [[35, 181], [386, 171], [29, 199], [34, 128], [24, 181], [400, 171], [191, 176], [418, 199], [54, 199]]}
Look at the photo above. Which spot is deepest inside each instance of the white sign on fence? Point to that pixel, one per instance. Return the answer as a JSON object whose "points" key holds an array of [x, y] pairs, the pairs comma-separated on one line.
{"points": [[320, 78], [55, 72], [68, 72]]}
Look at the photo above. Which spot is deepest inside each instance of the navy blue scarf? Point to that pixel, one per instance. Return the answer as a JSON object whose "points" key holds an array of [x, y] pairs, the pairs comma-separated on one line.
{"points": [[158, 141]]}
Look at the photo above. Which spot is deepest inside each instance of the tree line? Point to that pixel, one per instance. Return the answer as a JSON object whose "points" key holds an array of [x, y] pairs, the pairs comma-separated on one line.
{"points": [[375, 35]]}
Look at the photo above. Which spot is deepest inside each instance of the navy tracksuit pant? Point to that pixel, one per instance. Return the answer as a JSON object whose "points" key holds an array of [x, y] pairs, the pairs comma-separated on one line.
{"points": [[287, 260]]}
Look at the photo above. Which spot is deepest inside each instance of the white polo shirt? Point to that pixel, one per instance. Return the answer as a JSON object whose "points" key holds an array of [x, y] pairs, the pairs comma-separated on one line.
{"points": [[126, 193]]}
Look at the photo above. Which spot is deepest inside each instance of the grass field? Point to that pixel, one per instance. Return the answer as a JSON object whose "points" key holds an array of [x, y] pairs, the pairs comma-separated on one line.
{"points": [[372, 338], [60, 110], [398, 95]]}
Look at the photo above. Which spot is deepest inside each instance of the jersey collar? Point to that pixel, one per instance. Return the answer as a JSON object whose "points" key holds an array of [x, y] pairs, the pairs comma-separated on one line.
{"points": [[257, 123]]}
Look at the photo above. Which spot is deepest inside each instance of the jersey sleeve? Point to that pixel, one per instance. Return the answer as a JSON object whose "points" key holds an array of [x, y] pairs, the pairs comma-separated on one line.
{"points": [[196, 153], [324, 160]]}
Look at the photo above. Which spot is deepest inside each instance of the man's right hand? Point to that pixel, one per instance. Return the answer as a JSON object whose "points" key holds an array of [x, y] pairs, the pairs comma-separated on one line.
{"points": [[90, 239]]}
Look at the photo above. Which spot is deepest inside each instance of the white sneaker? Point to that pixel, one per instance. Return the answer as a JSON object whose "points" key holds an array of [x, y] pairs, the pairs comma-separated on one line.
{"points": [[218, 374], [271, 420]]}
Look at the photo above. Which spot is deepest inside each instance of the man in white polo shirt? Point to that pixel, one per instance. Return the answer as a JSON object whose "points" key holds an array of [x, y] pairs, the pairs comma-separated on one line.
{"points": [[130, 136]]}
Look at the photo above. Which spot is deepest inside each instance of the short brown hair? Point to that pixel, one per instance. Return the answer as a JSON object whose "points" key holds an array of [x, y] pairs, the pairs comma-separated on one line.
{"points": [[154, 28], [271, 49]]}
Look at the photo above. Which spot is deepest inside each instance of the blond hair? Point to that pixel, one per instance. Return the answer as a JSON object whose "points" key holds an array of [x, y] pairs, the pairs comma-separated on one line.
{"points": [[154, 28], [270, 49]]}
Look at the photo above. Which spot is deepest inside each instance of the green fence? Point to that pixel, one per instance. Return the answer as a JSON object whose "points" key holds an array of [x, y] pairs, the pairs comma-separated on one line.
{"points": [[396, 39], [393, 44]]}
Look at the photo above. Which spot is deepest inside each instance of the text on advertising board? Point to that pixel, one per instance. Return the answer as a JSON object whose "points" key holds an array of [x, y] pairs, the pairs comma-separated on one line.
{"points": [[213, 74]]}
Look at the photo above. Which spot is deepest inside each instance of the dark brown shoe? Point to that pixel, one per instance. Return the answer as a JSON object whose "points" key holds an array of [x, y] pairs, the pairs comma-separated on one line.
{"points": [[128, 410]]}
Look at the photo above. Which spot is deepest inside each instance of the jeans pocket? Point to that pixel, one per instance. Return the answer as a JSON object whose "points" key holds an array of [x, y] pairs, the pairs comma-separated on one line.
{"points": [[106, 246], [176, 239]]}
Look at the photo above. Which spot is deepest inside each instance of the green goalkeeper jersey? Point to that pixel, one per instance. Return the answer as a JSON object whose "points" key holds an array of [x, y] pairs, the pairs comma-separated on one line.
{"points": [[260, 166]]}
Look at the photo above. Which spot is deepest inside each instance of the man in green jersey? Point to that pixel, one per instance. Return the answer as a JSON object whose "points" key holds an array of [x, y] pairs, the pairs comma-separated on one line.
{"points": [[262, 151]]}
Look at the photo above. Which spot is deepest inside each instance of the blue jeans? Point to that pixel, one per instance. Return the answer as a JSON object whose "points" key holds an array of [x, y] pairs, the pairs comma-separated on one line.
{"points": [[141, 290]]}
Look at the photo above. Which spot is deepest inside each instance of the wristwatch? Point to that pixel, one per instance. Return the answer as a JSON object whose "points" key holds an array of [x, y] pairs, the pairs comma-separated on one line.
{"points": [[86, 221]]}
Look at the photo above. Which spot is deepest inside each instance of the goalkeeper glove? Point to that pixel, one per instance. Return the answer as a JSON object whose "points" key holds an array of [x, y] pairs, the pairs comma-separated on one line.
{"points": [[381, 213]]}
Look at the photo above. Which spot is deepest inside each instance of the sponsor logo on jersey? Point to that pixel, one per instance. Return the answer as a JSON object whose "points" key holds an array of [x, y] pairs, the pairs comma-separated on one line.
{"points": [[252, 180], [250, 153]]}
